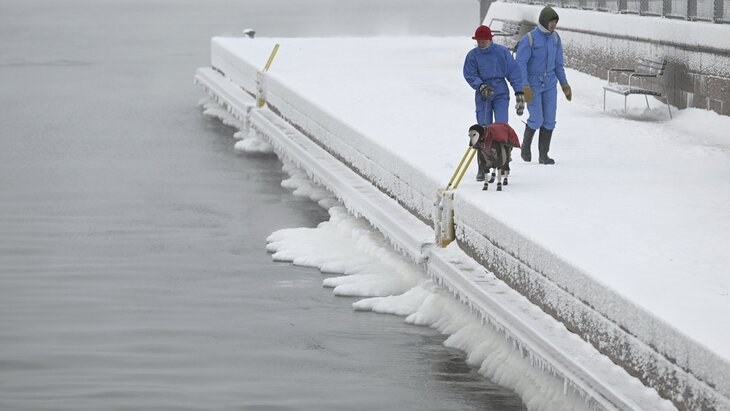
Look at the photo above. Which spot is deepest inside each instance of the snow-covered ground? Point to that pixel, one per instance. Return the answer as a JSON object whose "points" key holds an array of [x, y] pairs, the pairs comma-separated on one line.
{"points": [[638, 205]]}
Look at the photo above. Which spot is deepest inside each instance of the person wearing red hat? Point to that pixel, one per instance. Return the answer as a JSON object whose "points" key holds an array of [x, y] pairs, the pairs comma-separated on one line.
{"points": [[487, 69]]}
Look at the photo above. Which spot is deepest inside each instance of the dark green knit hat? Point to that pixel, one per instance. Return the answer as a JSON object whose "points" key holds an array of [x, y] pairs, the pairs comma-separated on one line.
{"points": [[546, 15]]}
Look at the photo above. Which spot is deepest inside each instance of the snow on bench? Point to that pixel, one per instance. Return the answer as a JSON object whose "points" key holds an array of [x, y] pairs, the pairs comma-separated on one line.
{"points": [[645, 68]]}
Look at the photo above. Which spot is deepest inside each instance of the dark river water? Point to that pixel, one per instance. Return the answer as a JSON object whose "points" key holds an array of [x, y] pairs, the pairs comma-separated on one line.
{"points": [[133, 270]]}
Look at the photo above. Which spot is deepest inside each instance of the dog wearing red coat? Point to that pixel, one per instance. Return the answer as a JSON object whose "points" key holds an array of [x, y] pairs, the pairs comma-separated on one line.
{"points": [[494, 144]]}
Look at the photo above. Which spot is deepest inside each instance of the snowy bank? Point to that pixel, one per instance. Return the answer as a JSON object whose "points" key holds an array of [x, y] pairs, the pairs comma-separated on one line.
{"points": [[620, 245], [510, 340]]}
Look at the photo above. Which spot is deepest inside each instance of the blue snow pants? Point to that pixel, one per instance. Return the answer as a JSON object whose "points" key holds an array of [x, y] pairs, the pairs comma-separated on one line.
{"points": [[544, 106], [494, 110]]}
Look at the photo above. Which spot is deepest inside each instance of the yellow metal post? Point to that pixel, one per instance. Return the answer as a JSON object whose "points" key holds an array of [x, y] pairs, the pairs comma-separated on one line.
{"points": [[458, 168], [262, 97], [271, 57], [444, 223], [463, 170]]}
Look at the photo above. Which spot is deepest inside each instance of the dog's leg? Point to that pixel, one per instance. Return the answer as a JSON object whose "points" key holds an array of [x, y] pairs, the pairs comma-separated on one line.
{"points": [[499, 179], [491, 177], [504, 180]]}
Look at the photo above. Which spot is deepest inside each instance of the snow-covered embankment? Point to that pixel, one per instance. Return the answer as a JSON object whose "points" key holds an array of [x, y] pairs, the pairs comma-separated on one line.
{"points": [[539, 336]]}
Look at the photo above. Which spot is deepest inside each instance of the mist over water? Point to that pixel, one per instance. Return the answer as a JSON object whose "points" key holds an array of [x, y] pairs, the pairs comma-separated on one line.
{"points": [[133, 270]]}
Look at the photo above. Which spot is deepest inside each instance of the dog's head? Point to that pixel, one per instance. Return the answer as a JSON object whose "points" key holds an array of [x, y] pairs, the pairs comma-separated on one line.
{"points": [[475, 133]]}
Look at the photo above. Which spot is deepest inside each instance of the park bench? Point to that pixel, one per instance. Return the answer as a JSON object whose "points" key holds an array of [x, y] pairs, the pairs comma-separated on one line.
{"points": [[652, 70]]}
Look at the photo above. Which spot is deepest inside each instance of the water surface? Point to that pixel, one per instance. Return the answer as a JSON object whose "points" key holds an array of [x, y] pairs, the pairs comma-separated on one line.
{"points": [[133, 273]]}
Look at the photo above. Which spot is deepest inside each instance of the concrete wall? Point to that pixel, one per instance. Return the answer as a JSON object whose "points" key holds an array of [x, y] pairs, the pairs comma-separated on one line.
{"points": [[695, 76], [698, 53]]}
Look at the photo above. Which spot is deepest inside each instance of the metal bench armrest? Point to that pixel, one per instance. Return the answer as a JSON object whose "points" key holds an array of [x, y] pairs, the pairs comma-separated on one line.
{"points": [[623, 70], [634, 75], [645, 75]]}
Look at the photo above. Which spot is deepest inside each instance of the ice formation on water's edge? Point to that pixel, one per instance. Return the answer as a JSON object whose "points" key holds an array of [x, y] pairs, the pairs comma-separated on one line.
{"points": [[406, 290], [367, 266], [347, 245]]}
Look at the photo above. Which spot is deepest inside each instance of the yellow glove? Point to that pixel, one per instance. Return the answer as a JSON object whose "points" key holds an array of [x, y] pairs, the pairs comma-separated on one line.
{"points": [[528, 93], [568, 92]]}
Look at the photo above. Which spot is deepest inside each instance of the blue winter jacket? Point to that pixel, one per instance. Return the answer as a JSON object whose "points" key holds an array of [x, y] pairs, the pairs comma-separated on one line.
{"points": [[541, 63], [492, 65]]}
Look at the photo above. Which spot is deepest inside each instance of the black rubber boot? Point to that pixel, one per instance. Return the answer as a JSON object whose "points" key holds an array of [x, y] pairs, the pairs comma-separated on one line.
{"points": [[544, 146], [482, 163], [526, 143]]}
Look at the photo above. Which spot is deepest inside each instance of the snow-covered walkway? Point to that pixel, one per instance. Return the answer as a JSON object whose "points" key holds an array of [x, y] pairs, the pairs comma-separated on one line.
{"points": [[633, 220]]}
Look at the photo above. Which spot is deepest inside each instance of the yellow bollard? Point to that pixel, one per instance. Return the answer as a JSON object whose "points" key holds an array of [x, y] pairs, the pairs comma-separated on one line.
{"points": [[463, 170], [457, 168], [271, 57], [444, 224], [262, 98]]}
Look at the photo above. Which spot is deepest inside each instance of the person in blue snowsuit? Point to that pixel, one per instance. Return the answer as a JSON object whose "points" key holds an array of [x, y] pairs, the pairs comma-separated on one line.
{"points": [[487, 68], [540, 58]]}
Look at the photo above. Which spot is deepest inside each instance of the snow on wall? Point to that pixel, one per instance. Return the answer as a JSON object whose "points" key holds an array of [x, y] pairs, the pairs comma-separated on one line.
{"points": [[224, 61], [651, 349], [380, 166], [384, 169], [682, 33]]}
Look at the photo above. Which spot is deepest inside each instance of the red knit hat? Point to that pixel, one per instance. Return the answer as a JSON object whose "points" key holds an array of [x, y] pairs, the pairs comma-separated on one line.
{"points": [[483, 33]]}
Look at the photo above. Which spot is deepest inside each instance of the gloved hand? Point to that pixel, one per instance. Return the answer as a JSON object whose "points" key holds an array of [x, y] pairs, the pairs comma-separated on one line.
{"points": [[485, 91], [520, 105], [568, 92], [528, 93]]}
